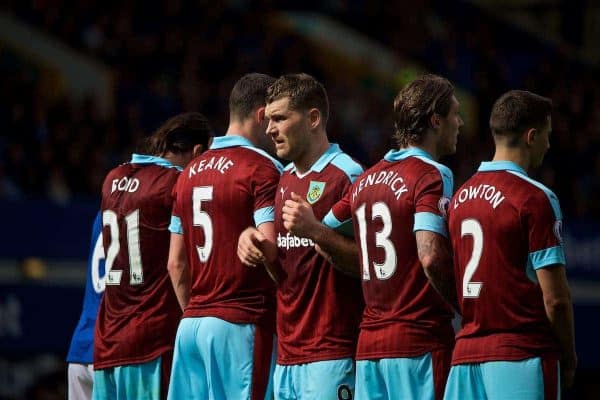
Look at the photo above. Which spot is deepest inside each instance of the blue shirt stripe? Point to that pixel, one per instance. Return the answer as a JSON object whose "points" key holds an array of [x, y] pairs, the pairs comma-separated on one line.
{"points": [[146, 159], [265, 214], [546, 257], [175, 225], [426, 221]]}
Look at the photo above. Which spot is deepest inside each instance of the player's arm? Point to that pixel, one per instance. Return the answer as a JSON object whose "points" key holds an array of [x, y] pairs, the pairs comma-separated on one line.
{"points": [[559, 310], [257, 246], [436, 258], [341, 251], [179, 270]]}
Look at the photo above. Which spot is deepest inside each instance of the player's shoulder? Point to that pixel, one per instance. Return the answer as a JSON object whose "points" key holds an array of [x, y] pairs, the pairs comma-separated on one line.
{"points": [[428, 165], [264, 157], [348, 165], [536, 193]]}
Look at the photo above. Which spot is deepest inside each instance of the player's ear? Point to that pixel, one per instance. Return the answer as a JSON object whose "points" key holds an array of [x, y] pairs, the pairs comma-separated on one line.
{"points": [[198, 149], [315, 117], [434, 120], [529, 136], [259, 115]]}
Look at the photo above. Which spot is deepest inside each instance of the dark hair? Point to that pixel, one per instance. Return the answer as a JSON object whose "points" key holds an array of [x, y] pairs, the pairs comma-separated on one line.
{"points": [[518, 110], [178, 135], [248, 94], [416, 103], [304, 92]]}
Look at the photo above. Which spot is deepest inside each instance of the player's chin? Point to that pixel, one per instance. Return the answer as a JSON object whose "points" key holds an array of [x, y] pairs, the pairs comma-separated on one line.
{"points": [[282, 152]]}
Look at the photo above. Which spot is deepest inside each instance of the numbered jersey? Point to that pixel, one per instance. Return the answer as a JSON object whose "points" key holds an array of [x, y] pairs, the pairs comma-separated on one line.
{"points": [[503, 227], [139, 313], [222, 192], [405, 192], [319, 307]]}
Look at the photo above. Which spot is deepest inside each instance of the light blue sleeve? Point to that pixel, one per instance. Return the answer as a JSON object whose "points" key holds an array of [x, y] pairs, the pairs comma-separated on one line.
{"points": [[265, 214], [343, 227], [547, 257], [426, 221], [175, 226]]}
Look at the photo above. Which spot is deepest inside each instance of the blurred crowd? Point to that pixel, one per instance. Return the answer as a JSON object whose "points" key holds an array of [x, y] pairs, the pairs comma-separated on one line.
{"points": [[185, 55]]}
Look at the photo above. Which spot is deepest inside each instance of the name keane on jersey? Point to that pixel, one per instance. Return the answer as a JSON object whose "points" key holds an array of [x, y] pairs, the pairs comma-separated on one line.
{"points": [[221, 164], [389, 178], [289, 241], [483, 192]]}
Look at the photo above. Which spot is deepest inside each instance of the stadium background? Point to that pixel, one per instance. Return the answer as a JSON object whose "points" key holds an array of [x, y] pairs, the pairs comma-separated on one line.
{"points": [[81, 83]]}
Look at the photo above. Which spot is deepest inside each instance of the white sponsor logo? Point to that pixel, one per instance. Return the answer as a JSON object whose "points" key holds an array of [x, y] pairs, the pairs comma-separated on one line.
{"points": [[290, 241], [282, 190]]}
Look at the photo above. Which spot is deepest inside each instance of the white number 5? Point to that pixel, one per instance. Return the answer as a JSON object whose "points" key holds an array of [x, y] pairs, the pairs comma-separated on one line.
{"points": [[471, 227], [202, 219]]}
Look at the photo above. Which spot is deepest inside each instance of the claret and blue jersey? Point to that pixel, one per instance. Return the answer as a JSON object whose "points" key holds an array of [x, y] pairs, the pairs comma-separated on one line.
{"points": [[503, 226], [405, 192]]}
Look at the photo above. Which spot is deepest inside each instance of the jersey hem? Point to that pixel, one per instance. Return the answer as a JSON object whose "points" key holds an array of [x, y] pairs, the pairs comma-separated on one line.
{"points": [[399, 354], [320, 357], [473, 360], [131, 361]]}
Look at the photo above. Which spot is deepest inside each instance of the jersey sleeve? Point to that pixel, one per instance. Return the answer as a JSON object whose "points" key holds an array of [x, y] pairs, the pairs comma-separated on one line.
{"points": [[339, 218], [264, 182], [431, 197], [543, 220], [175, 225]]}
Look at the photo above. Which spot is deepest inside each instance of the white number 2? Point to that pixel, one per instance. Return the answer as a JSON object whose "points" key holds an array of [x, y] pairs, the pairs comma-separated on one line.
{"points": [[471, 227], [202, 219], [136, 273], [386, 269]]}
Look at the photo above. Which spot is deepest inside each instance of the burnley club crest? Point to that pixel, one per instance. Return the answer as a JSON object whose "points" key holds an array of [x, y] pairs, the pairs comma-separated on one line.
{"points": [[315, 190]]}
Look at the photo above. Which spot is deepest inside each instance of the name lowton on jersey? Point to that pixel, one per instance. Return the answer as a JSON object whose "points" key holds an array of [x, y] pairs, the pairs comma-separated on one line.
{"points": [[290, 241]]}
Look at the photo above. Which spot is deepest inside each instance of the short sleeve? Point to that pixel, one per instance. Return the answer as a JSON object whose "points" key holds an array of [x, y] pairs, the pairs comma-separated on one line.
{"points": [[339, 218], [175, 225], [431, 203], [543, 220], [264, 183]]}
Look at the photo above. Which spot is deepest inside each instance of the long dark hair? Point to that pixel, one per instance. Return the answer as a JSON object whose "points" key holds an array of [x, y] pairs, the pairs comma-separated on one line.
{"points": [[178, 135]]}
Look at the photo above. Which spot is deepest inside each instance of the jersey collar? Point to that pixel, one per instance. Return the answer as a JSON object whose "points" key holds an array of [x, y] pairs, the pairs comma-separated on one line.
{"points": [[397, 155], [322, 162], [500, 166], [146, 159], [221, 142]]}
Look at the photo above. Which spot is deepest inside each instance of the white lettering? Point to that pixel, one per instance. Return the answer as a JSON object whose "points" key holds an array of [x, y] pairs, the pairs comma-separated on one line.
{"points": [[482, 192], [125, 185]]}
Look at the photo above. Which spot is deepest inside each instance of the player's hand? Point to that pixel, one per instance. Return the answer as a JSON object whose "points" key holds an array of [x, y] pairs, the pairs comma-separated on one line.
{"points": [[298, 216], [248, 250], [567, 370]]}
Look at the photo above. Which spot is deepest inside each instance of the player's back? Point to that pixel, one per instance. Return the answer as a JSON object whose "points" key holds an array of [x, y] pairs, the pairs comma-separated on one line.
{"points": [[139, 312], [222, 192], [404, 315], [502, 226]]}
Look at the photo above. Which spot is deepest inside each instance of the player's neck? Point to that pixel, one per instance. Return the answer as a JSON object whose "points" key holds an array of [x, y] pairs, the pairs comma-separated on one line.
{"points": [[428, 146], [316, 149], [516, 155], [241, 128]]}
